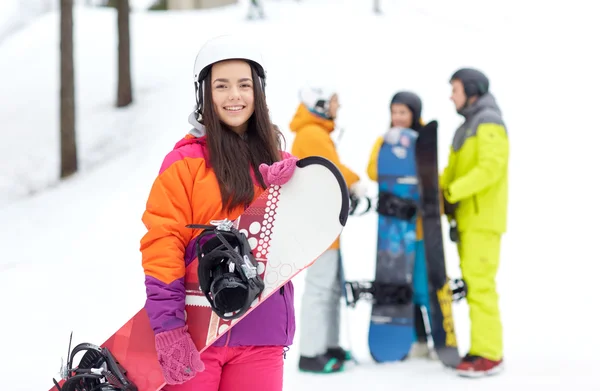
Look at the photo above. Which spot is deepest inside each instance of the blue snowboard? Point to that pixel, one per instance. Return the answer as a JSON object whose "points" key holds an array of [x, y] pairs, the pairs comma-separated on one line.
{"points": [[391, 331]]}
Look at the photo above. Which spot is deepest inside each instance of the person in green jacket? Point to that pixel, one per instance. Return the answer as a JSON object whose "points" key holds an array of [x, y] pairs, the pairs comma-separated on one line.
{"points": [[474, 186]]}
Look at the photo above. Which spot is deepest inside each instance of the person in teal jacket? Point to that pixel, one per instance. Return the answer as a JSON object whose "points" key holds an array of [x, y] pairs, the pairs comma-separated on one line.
{"points": [[475, 191], [405, 110]]}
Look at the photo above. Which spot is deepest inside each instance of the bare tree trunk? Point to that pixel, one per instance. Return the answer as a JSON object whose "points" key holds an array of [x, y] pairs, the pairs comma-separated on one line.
{"points": [[124, 90], [68, 142], [377, 6]]}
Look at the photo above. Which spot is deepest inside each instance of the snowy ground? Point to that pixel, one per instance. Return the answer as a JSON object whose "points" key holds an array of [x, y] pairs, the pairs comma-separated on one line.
{"points": [[70, 253]]}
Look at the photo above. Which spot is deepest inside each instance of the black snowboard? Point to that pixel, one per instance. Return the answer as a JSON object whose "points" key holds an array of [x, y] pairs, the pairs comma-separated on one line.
{"points": [[440, 294]]}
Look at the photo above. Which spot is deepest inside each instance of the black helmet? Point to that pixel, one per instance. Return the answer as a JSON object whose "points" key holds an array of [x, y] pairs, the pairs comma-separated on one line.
{"points": [[474, 81], [227, 270], [413, 102]]}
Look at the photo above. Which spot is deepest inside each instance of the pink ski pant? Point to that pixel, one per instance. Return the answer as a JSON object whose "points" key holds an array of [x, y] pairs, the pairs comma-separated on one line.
{"points": [[248, 368]]}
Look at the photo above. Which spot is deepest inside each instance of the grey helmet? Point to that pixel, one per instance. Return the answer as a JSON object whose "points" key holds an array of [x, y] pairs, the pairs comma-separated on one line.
{"points": [[473, 80]]}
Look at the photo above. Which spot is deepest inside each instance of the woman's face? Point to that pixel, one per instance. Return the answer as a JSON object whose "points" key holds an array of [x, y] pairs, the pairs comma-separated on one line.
{"points": [[334, 106], [233, 93], [401, 116]]}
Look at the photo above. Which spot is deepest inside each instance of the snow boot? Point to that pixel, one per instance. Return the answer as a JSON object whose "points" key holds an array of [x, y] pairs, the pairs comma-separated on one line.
{"points": [[477, 366], [339, 353], [320, 364]]}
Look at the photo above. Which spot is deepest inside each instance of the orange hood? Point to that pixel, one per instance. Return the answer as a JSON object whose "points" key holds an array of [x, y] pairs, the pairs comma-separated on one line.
{"points": [[304, 117]]}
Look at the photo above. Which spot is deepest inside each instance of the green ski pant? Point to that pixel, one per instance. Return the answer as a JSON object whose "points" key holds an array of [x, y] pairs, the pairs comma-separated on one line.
{"points": [[479, 253]]}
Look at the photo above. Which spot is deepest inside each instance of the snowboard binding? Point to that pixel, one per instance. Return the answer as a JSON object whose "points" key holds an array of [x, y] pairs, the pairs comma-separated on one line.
{"points": [[355, 202], [227, 269], [458, 287], [392, 294], [393, 206], [380, 293], [98, 370]]}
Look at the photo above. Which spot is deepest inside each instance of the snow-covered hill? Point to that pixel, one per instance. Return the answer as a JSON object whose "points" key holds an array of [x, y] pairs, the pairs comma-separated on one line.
{"points": [[70, 258]]}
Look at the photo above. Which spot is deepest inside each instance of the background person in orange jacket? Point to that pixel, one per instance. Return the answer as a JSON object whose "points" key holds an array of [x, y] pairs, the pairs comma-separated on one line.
{"points": [[212, 174], [320, 312]]}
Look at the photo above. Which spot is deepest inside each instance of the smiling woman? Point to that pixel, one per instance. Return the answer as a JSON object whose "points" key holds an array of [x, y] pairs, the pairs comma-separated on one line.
{"points": [[233, 94], [213, 174], [237, 122]]}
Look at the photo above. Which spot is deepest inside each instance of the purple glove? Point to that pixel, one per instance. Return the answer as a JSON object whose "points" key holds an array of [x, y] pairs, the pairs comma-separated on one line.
{"points": [[177, 355], [279, 172]]}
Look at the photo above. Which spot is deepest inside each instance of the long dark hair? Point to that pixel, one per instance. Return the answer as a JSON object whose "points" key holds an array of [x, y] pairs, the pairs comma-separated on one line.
{"points": [[231, 155]]}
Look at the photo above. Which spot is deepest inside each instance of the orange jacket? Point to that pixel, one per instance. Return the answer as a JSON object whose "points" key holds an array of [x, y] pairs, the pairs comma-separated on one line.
{"points": [[171, 206], [313, 138], [185, 192]]}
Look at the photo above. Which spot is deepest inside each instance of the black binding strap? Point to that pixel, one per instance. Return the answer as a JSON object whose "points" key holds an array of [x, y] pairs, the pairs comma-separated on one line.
{"points": [[98, 370], [393, 206], [227, 270]]}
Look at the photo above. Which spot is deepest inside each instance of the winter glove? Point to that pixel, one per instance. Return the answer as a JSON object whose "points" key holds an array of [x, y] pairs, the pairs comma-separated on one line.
{"points": [[449, 208], [177, 355], [392, 136], [358, 190], [279, 172], [454, 235]]}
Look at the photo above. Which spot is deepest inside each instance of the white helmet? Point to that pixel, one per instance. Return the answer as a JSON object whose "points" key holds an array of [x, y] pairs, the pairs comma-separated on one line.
{"points": [[316, 99], [220, 48]]}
